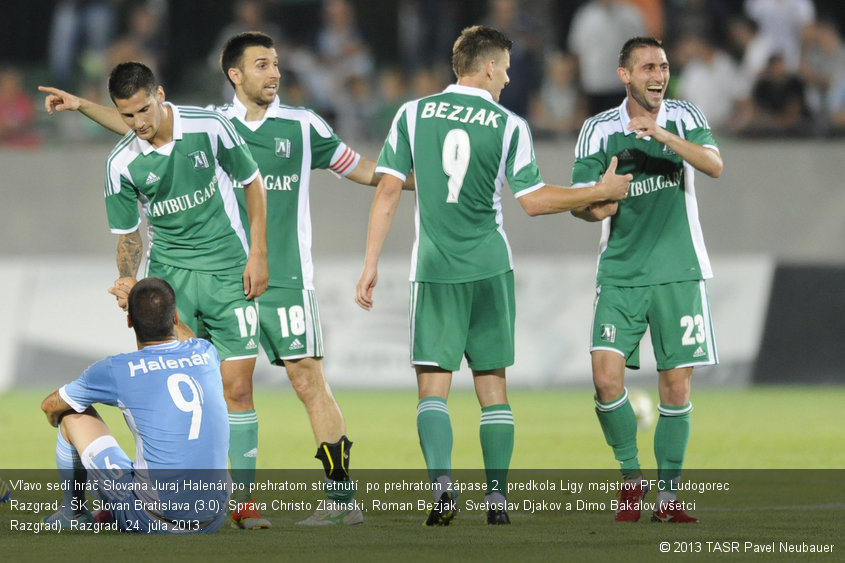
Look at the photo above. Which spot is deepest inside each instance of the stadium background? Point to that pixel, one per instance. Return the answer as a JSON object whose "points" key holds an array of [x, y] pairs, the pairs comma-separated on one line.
{"points": [[773, 226]]}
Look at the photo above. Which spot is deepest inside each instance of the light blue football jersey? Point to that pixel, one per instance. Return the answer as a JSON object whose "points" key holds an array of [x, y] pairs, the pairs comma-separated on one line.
{"points": [[172, 399]]}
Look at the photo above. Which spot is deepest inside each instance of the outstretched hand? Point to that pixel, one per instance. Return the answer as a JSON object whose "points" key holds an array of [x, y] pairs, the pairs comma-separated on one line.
{"points": [[59, 100]]}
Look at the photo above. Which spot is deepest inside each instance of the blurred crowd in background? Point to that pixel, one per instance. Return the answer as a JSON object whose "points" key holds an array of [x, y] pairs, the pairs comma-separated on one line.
{"points": [[757, 68]]}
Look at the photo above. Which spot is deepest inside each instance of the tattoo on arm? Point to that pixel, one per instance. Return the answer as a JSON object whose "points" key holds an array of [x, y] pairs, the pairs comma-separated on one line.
{"points": [[129, 248]]}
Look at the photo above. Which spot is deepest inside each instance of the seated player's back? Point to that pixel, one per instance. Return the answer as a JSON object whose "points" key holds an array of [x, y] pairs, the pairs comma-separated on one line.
{"points": [[172, 398]]}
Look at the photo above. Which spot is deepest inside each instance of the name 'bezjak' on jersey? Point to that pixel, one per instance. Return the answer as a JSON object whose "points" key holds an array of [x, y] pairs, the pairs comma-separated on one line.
{"points": [[654, 183], [183, 202], [461, 114]]}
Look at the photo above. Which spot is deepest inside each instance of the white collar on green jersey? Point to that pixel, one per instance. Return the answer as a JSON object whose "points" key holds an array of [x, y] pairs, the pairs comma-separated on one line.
{"points": [[469, 90], [625, 118], [240, 112], [147, 147]]}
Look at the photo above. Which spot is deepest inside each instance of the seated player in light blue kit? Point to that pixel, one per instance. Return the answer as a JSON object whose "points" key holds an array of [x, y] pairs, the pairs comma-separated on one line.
{"points": [[171, 394]]}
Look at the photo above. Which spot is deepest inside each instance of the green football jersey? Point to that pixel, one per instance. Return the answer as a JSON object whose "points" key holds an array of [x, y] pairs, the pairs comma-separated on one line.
{"points": [[462, 147], [186, 192], [287, 144], [655, 237]]}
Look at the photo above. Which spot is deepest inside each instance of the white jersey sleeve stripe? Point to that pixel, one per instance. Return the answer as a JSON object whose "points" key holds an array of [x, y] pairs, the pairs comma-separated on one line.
{"points": [[527, 191], [385, 170], [393, 134], [73, 404], [524, 155], [126, 231]]}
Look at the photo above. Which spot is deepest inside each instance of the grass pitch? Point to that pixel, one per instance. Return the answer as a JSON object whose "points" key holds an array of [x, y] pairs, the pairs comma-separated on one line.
{"points": [[781, 450]]}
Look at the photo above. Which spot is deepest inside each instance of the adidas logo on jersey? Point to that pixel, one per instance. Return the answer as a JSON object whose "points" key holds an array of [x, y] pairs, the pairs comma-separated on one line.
{"points": [[251, 345], [625, 155], [699, 352], [152, 178], [296, 344], [252, 453]]}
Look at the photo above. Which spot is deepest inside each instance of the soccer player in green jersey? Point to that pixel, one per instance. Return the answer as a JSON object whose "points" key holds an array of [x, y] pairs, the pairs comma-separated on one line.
{"points": [[288, 142], [652, 267], [463, 146], [179, 164]]}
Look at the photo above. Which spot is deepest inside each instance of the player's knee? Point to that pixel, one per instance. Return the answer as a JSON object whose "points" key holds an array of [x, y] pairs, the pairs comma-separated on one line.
{"points": [[608, 387], [676, 396], [309, 384], [238, 397], [303, 385]]}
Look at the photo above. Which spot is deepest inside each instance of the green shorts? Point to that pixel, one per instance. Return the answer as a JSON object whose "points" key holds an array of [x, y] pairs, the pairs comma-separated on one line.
{"points": [[290, 324], [678, 315], [213, 305], [473, 319]]}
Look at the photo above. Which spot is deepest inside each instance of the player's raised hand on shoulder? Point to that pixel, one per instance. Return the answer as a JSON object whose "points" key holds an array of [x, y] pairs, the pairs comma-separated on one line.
{"points": [[121, 289], [614, 186], [59, 100]]}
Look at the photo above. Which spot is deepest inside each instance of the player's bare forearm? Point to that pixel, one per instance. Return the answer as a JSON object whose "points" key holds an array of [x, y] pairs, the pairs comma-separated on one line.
{"points": [[59, 100], [255, 197], [382, 211], [129, 251], [364, 172], [704, 159], [256, 275], [557, 199]]}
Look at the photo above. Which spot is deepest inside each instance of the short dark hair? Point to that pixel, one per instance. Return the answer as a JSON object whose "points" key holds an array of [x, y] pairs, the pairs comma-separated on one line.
{"points": [[232, 54], [474, 45], [152, 305], [126, 79], [626, 54]]}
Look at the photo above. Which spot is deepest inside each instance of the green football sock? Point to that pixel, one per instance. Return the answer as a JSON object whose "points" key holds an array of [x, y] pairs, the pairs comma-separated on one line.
{"points": [[435, 431], [619, 424], [671, 437], [496, 434], [243, 451]]}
